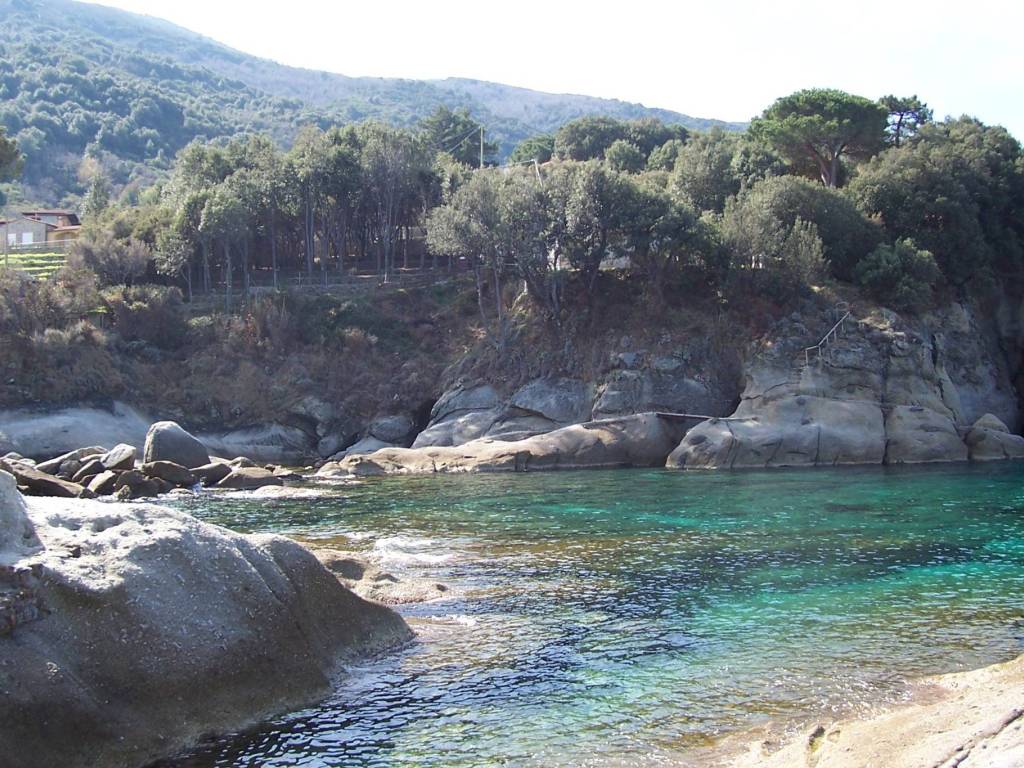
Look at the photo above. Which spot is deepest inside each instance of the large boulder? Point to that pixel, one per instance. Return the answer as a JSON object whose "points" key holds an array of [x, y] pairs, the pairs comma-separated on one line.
{"points": [[42, 434], [175, 474], [643, 440], [121, 456], [989, 439], [167, 441], [367, 445], [887, 390], [159, 629]]}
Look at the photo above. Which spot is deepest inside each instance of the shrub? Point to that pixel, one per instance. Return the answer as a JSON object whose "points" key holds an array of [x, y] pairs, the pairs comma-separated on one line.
{"points": [[115, 262], [846, 235], [73, 365], [901, 275], [153, 314]]}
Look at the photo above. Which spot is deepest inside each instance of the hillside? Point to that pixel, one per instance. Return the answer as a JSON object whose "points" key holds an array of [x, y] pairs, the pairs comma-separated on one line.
{"points": [[133, 90]]}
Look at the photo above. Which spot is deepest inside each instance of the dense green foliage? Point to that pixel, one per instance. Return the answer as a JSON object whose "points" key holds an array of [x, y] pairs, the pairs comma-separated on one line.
{"points": [[80, 80], [719, 217], [900, 275], [957, 190]]}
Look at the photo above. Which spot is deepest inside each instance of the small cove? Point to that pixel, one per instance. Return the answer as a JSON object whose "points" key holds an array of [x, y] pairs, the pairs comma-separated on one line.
{"points": [[632, 617]]}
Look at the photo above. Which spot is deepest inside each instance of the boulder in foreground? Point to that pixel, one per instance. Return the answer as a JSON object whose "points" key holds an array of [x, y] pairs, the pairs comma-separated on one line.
{"points": [[143, 628]]}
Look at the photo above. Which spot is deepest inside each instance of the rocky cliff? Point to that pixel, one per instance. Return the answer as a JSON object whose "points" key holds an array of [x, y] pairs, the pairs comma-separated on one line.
{"points": [[883, 389]]}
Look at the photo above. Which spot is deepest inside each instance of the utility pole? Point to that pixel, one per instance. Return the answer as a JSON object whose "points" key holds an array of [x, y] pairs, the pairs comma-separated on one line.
{"points": [[481, 146]]}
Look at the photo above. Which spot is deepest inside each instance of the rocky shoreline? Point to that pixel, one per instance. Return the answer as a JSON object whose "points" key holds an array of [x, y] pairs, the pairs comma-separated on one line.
{"points": [[884, 390], [969, 719]]}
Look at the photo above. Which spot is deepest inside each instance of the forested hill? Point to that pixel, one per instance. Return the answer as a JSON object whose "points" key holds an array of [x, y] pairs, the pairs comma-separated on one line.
{"points": [[131, 90]]}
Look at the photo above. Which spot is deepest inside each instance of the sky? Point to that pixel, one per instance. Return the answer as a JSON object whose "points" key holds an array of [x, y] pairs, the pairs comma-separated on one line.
{"points": [[726, 60]]}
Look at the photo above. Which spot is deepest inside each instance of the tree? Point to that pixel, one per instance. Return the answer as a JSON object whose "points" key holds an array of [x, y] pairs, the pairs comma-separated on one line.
{"points": [[625, 156], [663, 158], [657, 230], [539, 148], [649, 133], [906, 116], [11, 161], [586, 138], [471, 227], [458, 134], [307, 160], [819, 127], [98, 197], [704, 173], [391, 161], [901, 275]]}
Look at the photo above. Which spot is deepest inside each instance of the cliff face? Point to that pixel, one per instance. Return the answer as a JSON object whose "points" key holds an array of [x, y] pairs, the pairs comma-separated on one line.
{"points": [[888, 389], [884, 390]]}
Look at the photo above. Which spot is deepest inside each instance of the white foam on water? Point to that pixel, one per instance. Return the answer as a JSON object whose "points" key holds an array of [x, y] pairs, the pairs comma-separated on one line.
{"points": [[410, 550]]}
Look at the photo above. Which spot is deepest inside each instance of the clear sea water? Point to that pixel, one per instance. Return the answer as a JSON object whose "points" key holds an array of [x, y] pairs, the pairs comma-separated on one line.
{"points": [[633, 617]]}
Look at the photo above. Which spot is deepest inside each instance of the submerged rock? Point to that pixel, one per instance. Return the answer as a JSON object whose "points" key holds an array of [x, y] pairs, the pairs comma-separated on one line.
{"points": [[157, 628], [370, 581]]}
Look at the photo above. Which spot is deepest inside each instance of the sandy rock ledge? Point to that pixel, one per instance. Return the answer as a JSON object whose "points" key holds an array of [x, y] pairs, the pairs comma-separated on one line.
{"points": [[963, 720]]}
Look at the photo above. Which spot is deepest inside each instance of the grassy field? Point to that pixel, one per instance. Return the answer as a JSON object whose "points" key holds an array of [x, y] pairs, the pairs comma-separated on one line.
{"points": [[40, 265]]}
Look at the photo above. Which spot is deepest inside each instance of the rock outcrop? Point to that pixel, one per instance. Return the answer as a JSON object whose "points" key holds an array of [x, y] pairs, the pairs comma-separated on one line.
{"points": [[643, 440], [149, 628], [42, 434], [885, 391], [989, 439]]}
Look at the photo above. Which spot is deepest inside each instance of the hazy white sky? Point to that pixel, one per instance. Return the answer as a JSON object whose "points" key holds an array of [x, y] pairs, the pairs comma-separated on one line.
{"points": [[727, 60]]}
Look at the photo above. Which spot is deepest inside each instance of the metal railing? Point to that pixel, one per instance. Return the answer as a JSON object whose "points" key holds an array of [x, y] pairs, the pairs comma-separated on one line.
{"points": [[831, 336]]}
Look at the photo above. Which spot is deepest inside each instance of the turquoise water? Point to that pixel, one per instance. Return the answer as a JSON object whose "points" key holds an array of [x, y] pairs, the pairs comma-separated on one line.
{"points": [[632, 617]]}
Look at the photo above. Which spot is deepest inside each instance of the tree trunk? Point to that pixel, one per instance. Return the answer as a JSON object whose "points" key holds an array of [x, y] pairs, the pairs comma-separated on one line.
{"points": [[273, 245], [227, 276], [206, 267], [245, 268], [309, 235]]}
